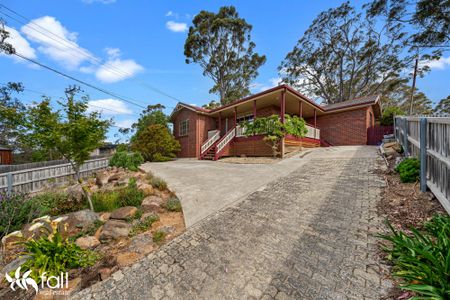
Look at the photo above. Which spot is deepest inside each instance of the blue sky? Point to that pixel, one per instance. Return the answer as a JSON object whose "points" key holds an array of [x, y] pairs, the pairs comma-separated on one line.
{"points": [[131, 47]]}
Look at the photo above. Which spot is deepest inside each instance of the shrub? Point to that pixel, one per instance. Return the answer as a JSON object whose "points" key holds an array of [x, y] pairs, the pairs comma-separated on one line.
{"points": [[131, 195], [422, 259], [173, 204], [15, 211], [54, 255], [105, 200], [143, 225], [155, 142], [55, 203], [158, 236], [387, 119], [409, 170], [130, 161], [158, 182]]}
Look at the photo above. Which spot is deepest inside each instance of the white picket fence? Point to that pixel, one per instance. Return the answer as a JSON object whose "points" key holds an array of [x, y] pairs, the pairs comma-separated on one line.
{"points": [[37, 179], [428, 138]]}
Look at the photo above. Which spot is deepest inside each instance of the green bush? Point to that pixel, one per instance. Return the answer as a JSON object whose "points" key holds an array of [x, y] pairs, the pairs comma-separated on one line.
{"points": [[422, 259], [173, 204], [155, 143], [387, 119], [54, 255], [158, 236], [111, 200], [130, 161], [143, 225], [55, 203], [409, 170], [15, 211], [158, 182]]}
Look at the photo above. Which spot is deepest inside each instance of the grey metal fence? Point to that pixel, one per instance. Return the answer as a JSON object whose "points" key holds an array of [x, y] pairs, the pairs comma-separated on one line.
{"points": [[36, 179], [428, 138]]}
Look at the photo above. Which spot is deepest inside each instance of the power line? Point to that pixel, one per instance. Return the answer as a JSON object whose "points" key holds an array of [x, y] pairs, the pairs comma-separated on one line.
{"points": [[77, 80], [83, 53]]}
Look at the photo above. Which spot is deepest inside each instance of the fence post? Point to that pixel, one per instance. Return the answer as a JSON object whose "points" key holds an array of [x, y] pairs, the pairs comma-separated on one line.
{"points": [[9, 179], [423, 154], [405, 137]]}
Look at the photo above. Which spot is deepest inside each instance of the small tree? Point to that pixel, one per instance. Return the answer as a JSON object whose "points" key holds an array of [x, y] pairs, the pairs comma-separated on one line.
{"points": [[274, 130], [155, 143], [387, 119], [71, 132]]}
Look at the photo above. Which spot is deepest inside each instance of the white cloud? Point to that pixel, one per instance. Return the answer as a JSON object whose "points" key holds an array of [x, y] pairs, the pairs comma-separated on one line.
{"points": [[124, 123], [170, 14], [439, 64], [60, 45], [116, 69], [99, 1], [176, 26], [109, 107], [20, 44]]}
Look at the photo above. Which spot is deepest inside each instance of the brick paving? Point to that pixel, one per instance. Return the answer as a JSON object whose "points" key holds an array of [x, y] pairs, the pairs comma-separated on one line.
{"points": [[307, 235]]}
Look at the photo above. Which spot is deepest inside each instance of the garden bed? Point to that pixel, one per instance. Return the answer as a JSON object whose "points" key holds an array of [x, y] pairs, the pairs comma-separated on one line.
{"points": [[135, 213]]}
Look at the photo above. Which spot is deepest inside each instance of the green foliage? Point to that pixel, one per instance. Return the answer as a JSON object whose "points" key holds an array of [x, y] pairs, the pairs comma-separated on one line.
{"points": [[158, 236], [143, 225], [173, 204], [130, 161], [89, 231], [422, 259], [54, 255], [387, 119], [409, 170], [72, 132], [122, 148], [344, 55], [221, 44], [15, 211], [111, 200], [158, 182], [55, 203], [274, 130], [443, 107], [155, 143]]}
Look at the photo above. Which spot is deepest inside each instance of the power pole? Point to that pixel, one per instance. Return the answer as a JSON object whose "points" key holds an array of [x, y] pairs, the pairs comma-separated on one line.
{"points": [[414, 84]]}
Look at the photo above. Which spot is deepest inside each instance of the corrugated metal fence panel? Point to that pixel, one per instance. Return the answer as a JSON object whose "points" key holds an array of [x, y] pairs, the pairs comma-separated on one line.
{"points": [[36, 179]]}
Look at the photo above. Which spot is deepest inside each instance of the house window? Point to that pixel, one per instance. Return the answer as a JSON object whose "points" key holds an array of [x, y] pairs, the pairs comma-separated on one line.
{"points": [[246, 118], [184, 127]]}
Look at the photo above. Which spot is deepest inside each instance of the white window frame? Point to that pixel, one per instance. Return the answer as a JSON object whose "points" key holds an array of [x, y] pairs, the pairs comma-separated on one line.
{"points": [[183, 129]]}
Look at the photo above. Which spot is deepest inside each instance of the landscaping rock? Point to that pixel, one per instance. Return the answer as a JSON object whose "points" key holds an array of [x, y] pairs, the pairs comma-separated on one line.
{"points": [[75, 193], [87, 242], [152, 204], [101, 178], [146, 188], [104, 273], [114, 229], [104, 216], [127, 258], [76, 221], [142, 243], [12, 238], [36, 230], [148, 215], [12, 266], [167, 229], [124, 213]]}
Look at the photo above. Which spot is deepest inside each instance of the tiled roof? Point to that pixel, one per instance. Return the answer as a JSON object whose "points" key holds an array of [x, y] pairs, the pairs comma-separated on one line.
{"points": [[355, 102]]}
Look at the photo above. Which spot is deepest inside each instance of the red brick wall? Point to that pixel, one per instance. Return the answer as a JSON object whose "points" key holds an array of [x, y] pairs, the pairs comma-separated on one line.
{"points": [[344, 128], [5, 157], [188, 142], [251, 146], [204, 124]]}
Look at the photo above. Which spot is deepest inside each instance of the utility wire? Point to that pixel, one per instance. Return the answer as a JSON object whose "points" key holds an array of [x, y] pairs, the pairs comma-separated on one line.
{"points": [[83, 53]]}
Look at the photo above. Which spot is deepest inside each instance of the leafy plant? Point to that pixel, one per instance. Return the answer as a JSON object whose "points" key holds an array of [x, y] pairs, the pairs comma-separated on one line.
{"points": [[422, 259], [54, 255], [173, 204], [274, 130], [143, 225], [15, 211], [106, 200], [155, 143], [387, 119], [409, 170], [158, 182], [131, 195], [55, 203], [130, 161], [158, 236]]}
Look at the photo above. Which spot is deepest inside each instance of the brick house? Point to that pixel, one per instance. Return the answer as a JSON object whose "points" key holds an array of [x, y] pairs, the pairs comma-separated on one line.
{"points": [[6, 156], [212, 133]]}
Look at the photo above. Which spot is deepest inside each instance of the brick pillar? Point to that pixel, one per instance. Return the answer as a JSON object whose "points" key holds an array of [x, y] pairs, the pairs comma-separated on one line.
{"points": [[282, 113], [300, 109], [315, 122], [254, 109], [220, 124]]}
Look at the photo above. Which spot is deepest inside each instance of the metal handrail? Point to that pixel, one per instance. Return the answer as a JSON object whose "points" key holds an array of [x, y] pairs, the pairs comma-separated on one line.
{"points": [[209, 142]]}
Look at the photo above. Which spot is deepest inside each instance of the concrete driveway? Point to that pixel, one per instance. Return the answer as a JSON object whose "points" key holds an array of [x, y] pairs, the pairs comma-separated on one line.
{"points": [[205, 187]]}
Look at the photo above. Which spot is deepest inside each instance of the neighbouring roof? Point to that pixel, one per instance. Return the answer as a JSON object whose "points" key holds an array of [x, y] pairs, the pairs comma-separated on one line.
{"points": [[367, 100], [361, 101], [5, 148]]}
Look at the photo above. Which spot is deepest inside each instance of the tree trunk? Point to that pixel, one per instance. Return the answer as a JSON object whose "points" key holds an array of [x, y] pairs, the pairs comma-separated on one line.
{"points": [[85, 190]]}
